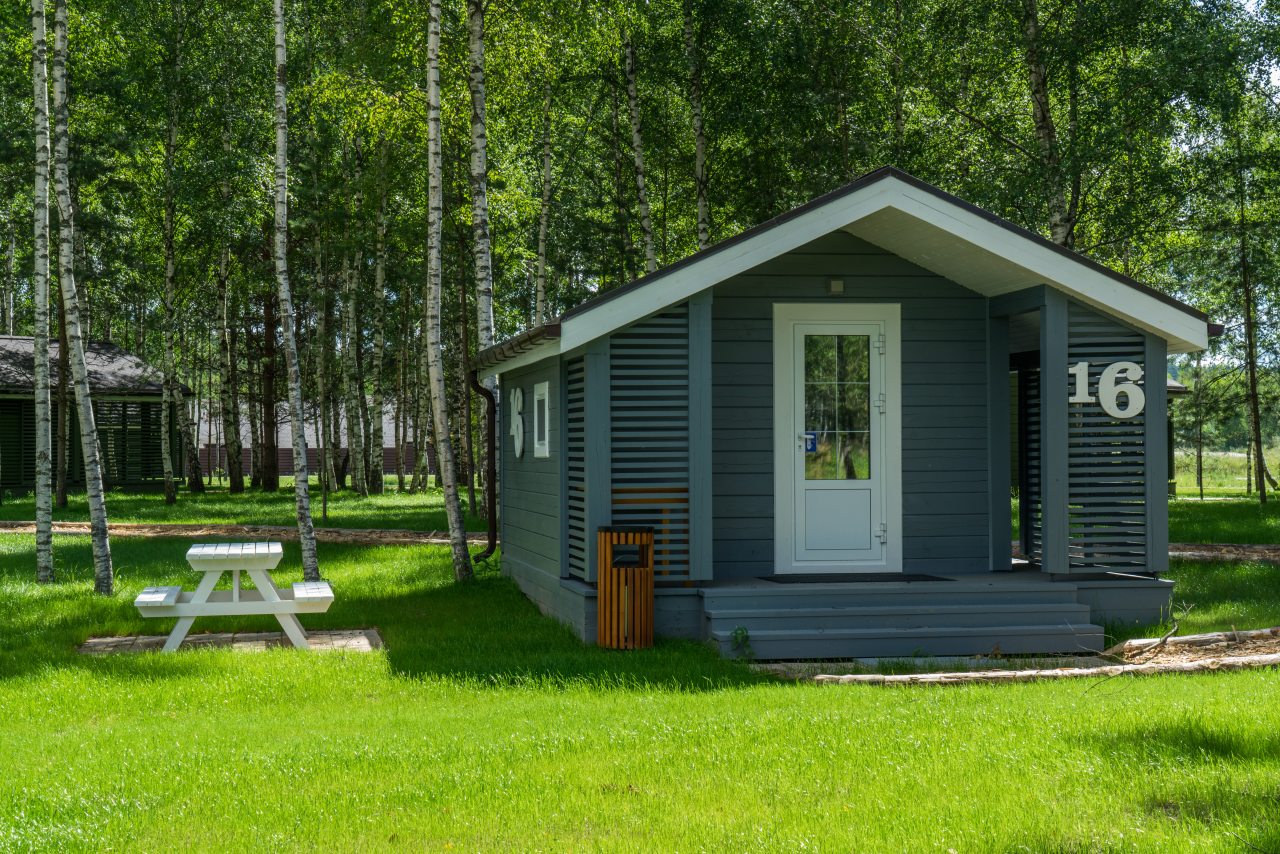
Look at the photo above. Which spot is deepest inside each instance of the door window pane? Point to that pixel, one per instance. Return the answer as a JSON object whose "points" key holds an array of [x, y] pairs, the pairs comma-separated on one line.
{"points": [[837, 407]]}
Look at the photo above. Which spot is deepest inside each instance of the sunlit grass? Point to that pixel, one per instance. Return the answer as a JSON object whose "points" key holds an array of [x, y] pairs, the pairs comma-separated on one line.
{"points": [[486, 726], [421, 511]]}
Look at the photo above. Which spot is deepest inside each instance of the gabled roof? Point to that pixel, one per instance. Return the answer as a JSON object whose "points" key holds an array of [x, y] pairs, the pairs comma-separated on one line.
{"points": [[112, 371], [900, 214]]}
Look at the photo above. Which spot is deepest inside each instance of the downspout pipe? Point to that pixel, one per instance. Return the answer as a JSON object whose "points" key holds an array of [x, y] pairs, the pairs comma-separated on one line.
{"points": [[491, 464]]}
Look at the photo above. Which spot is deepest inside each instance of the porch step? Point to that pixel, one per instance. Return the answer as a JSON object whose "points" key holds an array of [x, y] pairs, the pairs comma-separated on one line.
{"points": [[915, 615], [783, 644], [887, 594]]}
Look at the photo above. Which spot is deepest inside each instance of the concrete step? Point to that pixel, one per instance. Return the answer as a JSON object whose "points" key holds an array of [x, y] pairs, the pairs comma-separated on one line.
{"points": [[915, 615], [792, 644]]}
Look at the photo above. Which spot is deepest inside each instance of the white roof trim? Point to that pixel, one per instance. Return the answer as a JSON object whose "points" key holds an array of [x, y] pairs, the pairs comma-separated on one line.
{"points": [[945, 238]]}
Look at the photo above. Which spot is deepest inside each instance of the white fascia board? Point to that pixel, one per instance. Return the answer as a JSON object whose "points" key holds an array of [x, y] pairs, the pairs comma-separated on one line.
{"points": [[1183, 332], [679, 285], [544, 350]]}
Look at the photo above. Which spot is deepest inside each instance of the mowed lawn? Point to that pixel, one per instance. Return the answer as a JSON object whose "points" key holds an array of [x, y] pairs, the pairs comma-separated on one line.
{"points": [[485, 726], [420, 511]]}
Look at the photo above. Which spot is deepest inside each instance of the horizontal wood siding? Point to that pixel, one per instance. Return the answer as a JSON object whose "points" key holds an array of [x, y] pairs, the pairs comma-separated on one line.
{"points": [[531, 486], [944, 410]]}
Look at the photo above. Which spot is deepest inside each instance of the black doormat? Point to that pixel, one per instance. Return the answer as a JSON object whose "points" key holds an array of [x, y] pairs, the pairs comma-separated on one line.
{"points": [[849, 577]]}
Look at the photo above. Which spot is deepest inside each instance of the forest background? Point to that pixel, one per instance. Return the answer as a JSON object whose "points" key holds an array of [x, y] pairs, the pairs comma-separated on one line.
{"points": [[583, 144]]}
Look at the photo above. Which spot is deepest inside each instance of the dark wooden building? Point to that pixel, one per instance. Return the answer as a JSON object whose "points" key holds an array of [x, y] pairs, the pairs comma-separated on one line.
{"points": [[127, 400]]}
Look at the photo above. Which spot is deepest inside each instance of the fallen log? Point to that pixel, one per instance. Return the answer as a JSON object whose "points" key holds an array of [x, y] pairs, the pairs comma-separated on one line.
{"points": [[1142, 644], [1243, 662]]}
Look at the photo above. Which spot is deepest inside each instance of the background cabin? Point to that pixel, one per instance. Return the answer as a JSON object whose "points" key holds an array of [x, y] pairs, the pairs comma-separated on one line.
{"points": [[825, 420], [127, 400]]}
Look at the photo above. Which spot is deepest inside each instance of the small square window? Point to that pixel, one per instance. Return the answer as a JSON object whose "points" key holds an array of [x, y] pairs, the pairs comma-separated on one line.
{"points": [[541, 420]]}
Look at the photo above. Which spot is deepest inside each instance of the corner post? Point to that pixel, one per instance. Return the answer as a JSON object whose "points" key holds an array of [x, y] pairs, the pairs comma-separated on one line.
{"points": [[1155, 426], [998, 444], [700, 393], [1055, 521], [599, 451]]}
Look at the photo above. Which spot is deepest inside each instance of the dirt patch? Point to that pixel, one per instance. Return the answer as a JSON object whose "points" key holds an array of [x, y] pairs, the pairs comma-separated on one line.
{"points": [[358, 536]]}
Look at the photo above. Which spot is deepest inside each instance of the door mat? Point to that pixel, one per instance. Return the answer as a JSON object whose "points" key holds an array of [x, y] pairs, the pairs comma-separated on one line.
{"points": [[850, 577]]}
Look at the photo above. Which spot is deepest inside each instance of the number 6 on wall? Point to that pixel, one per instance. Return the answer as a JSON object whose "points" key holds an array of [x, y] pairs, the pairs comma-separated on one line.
{"points": [[1118, 378]]}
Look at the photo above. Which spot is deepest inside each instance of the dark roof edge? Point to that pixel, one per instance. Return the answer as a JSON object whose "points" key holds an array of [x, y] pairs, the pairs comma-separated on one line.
{"points": [[513, 347], [858, 184]]}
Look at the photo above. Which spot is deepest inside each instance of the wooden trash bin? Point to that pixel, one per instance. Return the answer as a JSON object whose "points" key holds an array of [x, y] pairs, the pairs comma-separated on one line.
{"points": [[624, 595]]}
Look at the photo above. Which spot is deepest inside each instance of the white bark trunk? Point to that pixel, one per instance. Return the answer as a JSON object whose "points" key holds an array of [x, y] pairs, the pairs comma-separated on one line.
{"points": [[699, 137], [168, 404], [432, 353], [301, 488], [11, 286], [1061, 220], [637, 148], [378, 400], [353, 388], [40, 294], [103, 576], [480, 182], [544, 215]]}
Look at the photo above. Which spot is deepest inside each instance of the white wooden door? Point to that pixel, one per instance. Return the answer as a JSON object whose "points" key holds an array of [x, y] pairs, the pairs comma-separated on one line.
{"points": [[837, 438]]}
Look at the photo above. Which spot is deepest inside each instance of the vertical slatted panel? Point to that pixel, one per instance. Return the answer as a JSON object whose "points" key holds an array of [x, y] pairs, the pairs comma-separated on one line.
{"points": [[1106, 455], [1031, 517], [649, 408], [576, 463]]}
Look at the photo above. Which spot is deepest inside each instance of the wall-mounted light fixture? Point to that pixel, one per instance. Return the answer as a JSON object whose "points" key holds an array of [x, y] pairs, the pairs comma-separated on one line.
{"points": [[835, 287]]}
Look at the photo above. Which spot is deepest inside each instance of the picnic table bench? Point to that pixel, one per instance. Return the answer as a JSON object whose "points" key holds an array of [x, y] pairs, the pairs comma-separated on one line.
{"points": [[256, 559]]}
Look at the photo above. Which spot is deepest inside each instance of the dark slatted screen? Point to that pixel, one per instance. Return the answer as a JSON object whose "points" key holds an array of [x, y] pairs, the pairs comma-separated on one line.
{"points": [[1106, 456], [1029, 441], [575, 452], [649, 411]]}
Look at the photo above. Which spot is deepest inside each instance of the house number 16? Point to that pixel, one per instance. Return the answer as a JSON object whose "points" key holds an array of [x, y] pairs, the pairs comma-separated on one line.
{"points": [[1118, 378]]}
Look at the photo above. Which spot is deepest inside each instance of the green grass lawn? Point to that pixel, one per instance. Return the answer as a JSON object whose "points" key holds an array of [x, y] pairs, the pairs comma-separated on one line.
{"points": [[422, 511], [485, 726], [1224, 521]]}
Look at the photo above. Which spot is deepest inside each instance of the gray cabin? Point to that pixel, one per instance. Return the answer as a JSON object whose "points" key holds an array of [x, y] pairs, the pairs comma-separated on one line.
{"points": [[825, 420]]}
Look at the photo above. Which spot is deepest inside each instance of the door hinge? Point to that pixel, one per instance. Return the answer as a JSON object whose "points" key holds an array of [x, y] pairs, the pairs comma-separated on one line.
{"points": [[882, 403], [880, 345], [884, 532]]}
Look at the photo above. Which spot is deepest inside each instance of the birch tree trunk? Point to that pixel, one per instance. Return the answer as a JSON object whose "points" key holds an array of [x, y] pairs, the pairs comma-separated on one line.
{"points": [[432, 306], [544, 215], [62, 410], [40, 294], [353, 389], [1061, 213], [378, 401], [103, 575], [301, 483], [480, 182], [227, 379], [637, 149], [699, 137], [169, 405], [11, 284], [1250, 329]]}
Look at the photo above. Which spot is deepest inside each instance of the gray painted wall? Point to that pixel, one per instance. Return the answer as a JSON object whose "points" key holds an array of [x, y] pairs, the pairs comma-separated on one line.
{"points": [[531, 505], [944, 409]]}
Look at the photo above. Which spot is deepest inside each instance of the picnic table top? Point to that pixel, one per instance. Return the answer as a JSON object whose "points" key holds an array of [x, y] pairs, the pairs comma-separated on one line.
{"points": [[233, 551]]}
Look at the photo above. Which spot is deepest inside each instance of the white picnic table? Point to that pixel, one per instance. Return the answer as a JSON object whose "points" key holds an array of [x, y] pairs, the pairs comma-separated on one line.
{"points": [[256, 559]]}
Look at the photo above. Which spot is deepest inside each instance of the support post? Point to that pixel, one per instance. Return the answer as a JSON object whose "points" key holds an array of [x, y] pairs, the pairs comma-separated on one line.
{"points": [[1054, 513], [700, 395], [1155, 426], [998, 444], [599, 453]]}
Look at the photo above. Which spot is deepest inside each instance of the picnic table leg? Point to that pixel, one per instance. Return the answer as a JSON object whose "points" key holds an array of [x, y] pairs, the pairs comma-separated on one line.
{"points": [[289, 622], [201, 594]]}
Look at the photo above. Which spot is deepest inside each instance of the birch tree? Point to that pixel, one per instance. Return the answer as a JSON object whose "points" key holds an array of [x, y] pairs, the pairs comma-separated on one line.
{"points": [[699, 137], [637, 150], [354, 388], [168, 403], [103, 576], [280, 246], [40, 294], [432, 353], [479, 181], [544, 214], [378, 401]]}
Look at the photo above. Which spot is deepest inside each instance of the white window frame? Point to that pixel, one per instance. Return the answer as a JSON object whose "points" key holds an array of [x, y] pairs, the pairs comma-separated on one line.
{"points": [[542, 424]]}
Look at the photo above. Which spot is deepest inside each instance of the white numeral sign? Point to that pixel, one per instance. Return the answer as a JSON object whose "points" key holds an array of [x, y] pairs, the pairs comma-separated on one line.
{"points": [[1118, 378], [517, 421]]}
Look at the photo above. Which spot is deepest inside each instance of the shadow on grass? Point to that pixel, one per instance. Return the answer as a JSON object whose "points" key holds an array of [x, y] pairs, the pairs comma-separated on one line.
{"points": [[484, 632]]}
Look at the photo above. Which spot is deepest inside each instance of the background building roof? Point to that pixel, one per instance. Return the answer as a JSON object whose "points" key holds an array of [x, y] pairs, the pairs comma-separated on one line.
{"points": [[112, 371]]}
